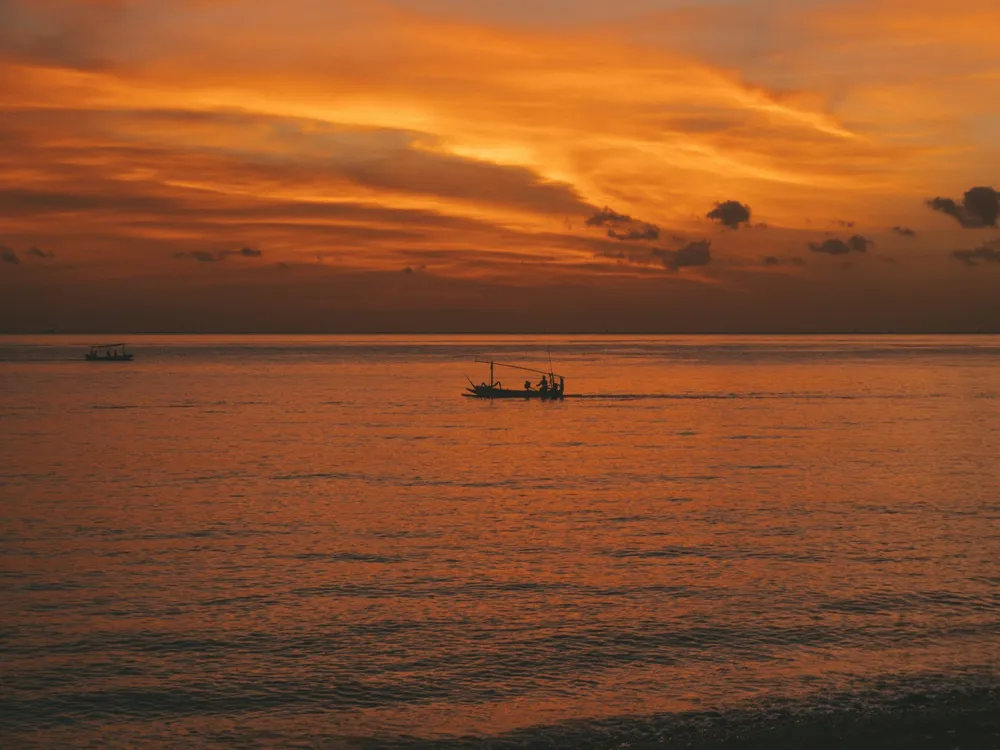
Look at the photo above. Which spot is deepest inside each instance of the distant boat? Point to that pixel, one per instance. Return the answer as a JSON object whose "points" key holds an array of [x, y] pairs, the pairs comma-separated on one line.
{"points": [[109, 353], [547, 388]]}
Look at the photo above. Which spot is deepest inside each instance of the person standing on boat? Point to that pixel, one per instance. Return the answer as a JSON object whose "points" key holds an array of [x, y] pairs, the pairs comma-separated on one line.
{"points": [[543, 385]]}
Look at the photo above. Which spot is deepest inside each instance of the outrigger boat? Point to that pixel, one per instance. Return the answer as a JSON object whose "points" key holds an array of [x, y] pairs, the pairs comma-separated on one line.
{"points": [[109, 353], [548, 389]]}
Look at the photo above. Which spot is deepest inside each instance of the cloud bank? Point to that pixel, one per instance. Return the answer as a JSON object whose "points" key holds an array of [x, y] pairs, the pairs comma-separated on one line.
{"points": [[980, 208]]}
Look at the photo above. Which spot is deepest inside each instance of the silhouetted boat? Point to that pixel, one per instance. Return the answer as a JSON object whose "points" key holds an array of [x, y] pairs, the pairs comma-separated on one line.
{"points": [[109, 353], [547, 389]]}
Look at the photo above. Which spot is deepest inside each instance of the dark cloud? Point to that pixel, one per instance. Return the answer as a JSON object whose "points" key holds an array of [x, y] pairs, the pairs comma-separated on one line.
{"points": [[980, 207], [246, 252], [830, 247], [202, 256], [904, 231], [206, 256], [860, 244], [988, 253], [696, 253], [38, 202], [39, 253], [607, 217], [774, 260], [730, 214], [76, 35], [320, 157], [623, 227], [846, 224], [7, 255], [647, 232], [836, 246], [411, 170]]}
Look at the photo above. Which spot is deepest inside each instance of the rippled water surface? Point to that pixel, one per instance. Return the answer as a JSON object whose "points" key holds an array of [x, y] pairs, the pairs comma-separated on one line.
{"points": [[318, 541]]}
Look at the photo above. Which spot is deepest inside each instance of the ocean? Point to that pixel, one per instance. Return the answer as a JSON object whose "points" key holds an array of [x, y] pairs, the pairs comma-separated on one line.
{"points": [[294, 541]]}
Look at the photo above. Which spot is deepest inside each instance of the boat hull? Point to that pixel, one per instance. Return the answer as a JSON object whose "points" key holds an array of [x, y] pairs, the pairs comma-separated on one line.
{"points": [[89, 358], [481, 391]]}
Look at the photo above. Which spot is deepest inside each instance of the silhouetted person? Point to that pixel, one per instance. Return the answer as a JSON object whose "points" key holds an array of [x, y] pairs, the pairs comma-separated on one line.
{"points": [[543, 385]]}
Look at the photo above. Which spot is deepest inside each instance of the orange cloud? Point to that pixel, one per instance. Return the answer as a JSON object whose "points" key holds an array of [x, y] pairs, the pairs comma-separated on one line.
{"points": [[372, 138]]}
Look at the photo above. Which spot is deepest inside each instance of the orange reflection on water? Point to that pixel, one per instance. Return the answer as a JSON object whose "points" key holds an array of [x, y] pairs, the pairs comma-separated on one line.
{"points": [[324, 534]]}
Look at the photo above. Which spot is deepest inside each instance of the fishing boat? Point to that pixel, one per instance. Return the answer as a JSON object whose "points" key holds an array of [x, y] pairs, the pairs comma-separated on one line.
{"points": [[109, 353], [547, 389]]}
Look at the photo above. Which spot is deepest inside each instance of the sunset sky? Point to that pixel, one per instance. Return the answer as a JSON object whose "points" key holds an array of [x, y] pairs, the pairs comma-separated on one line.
{"points": [[476, 165]]}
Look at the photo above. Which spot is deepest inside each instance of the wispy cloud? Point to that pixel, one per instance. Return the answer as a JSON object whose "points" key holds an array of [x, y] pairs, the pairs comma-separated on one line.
{"points": [[482, 142], [623, 227], [836, 246], [988, 253], [207, 256]]}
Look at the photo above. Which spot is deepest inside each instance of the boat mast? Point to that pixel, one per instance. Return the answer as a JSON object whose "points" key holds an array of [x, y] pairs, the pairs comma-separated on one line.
{"points": [[492, 381]]}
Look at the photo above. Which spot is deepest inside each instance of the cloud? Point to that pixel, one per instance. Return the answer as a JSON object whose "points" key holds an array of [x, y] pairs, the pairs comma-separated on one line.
{"points": [[202, 256], [648, 232], [775, 260], [831, 247], [860, 244], [39, 253], [377, 161], [846, 224], [7, 255], [607, 217], [696, 253], [836, 246], [58, 33], [988, 253], [730, 214], [623, 227], [904, 231], [206, 256], [246, 252], [980, 207]]}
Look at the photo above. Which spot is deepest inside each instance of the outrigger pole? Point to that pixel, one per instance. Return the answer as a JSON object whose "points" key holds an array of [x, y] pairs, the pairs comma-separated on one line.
{"points": [[490, 362]]}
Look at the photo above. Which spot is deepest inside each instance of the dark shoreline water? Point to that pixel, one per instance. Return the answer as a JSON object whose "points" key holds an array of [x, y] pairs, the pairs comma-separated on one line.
{"points": [[965, 718], [961, 719]]}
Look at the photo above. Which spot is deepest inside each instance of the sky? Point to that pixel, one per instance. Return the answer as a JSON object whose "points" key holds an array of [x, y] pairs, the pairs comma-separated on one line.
{"points": [[476, 166]]}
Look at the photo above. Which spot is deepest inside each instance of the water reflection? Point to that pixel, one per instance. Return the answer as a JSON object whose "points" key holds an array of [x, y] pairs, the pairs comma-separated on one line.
{"points": [[246, 539]]}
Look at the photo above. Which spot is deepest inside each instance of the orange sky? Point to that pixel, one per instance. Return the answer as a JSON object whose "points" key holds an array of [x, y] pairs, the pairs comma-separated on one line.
{"points": [[230, 165]]}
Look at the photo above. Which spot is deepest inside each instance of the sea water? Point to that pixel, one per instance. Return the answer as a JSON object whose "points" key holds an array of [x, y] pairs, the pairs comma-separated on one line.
{"points": [[317, 541]]}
